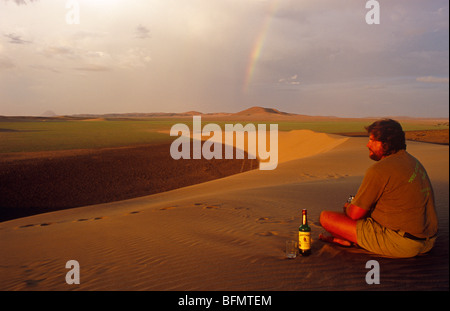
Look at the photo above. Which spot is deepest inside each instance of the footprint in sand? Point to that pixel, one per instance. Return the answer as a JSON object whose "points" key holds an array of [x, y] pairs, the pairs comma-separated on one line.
{"points": [[268, 233], [131, 213], [307, 175], [208, 206], [87, 219], [27, 226], [336, 176], [211, 207], [242, 208], [32, 283], [262, 220], [166, 208]]}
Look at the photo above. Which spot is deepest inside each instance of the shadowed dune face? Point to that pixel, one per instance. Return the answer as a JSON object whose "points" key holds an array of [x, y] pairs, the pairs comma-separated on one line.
{"points": [[54, 181]]}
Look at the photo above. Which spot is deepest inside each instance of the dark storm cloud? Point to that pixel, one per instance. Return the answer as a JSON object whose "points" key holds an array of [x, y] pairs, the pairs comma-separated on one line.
{"points": [[22, 2], [142, 32], [16, 39]]}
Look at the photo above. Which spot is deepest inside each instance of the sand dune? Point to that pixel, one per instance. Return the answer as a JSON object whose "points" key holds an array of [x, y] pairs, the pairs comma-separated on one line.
{"points": [[295, 144], [226, 234], [299, 144]]}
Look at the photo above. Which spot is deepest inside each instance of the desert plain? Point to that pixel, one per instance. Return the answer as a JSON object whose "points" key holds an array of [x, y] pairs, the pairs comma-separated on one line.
{"points": [[218, 226]]}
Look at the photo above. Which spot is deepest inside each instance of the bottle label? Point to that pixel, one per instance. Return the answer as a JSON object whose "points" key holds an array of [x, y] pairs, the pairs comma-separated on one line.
{"points": [[304, 240]]}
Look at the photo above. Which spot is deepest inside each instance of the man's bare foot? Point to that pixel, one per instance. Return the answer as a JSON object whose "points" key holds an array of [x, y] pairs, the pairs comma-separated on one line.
{"points": [[332, 239]]}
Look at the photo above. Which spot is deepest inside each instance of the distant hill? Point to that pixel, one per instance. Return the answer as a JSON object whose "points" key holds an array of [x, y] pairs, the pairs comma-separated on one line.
{"points": [[192, 113], [261, 110], [49, 113]]}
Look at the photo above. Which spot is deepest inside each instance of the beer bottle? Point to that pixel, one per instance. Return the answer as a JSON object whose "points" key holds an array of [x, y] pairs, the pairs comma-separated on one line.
{"points": [[304, 236]]}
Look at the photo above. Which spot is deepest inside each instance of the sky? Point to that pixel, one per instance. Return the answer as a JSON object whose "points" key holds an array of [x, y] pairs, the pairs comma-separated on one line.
{"points": [[314, 57]]}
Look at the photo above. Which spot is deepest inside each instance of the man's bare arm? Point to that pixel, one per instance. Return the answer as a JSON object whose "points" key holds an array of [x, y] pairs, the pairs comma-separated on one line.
{"points": [[355, 212]]}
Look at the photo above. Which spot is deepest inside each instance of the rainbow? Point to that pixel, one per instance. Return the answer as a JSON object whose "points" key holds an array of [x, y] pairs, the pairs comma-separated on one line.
{"points": [[259, 44]]}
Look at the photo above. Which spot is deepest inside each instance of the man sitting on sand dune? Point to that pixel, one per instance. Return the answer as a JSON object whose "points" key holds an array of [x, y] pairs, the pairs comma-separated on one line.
{"points": [[393, 212]]}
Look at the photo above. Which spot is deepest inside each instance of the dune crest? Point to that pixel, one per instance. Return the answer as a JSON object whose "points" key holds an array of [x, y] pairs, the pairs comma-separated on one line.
{"points": [[293, 145], [300, 144]]}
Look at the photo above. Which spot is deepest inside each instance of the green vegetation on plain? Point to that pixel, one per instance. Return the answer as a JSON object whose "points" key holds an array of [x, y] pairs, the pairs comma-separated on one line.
{"points": [[66, 135]]}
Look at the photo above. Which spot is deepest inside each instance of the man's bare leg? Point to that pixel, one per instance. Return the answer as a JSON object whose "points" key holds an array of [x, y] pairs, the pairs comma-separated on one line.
{"points": [[341, 227]]}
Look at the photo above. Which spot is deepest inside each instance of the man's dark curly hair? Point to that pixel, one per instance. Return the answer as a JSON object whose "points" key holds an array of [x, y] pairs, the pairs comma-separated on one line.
{"points": [[390, 133]]}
